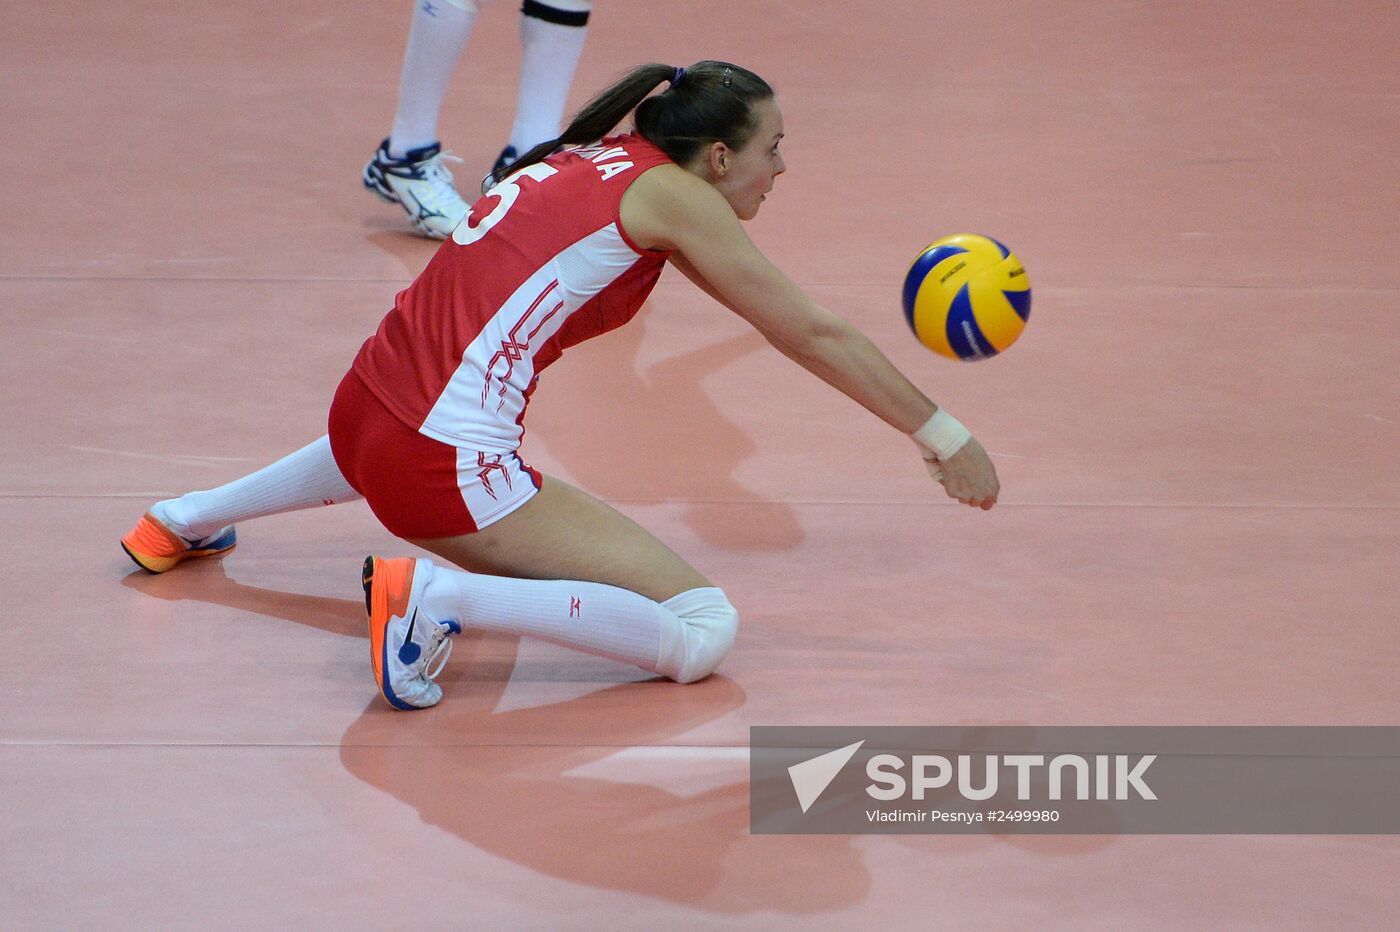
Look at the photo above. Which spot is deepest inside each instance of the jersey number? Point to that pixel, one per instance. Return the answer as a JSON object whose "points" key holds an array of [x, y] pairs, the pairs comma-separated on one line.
{"points": [[507, 191]]}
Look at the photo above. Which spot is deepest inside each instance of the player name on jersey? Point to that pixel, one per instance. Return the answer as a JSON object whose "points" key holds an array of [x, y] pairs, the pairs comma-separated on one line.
{"points": [[604, 158]]}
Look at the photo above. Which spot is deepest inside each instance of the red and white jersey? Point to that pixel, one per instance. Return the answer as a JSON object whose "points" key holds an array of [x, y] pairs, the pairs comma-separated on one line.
{"points": [[540, 264]]}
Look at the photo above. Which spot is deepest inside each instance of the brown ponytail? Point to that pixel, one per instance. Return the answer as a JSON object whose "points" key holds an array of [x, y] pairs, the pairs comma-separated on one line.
{"points": [[711, 101]]}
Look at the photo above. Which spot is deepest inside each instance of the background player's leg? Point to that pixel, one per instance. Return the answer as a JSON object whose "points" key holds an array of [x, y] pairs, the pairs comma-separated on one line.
{"points": [[436, 38], [407, 169], [551, 38]]}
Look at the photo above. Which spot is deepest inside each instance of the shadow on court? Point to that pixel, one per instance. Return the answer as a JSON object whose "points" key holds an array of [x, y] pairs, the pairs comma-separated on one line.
{"points": [[626, 432], [509, 782]]}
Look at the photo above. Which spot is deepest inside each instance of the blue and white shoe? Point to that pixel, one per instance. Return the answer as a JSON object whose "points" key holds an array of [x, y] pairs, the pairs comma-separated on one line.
{"points": [[506, 159], [407, 648], [421, 184]]}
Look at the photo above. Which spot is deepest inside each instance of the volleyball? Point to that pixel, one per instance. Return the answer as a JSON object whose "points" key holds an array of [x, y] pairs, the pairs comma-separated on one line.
{"points": [[967, 297]]}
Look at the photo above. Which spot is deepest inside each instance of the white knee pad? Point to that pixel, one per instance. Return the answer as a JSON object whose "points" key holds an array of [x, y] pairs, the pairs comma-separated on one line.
{"points": [[466, 6], [708, 623]]}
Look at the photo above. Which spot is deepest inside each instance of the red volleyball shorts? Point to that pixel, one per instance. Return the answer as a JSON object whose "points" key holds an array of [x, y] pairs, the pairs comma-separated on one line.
{"points": [[418, 487]]}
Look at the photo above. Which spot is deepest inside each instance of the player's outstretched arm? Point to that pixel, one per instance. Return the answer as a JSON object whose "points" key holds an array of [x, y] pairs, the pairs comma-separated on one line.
{"points": [[680, 212]]}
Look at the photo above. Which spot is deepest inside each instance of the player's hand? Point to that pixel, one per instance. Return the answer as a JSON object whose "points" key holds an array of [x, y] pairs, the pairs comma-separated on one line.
{"points": [[968, 475]]}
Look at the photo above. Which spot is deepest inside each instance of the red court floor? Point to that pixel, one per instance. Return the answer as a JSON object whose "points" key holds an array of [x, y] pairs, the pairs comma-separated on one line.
{"points": [[1197, 438]]}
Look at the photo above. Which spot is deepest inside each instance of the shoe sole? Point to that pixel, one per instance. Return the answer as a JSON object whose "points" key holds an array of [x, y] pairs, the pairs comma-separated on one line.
{"points": [[388, 586], [145, 543]]}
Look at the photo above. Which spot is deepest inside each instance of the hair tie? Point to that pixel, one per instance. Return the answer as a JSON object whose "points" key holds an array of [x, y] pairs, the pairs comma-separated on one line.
{"points": [[728, 76], [676, 78]]}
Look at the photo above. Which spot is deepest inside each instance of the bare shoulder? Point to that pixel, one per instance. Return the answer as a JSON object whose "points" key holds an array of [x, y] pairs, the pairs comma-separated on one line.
{"points": [[667, 205]]}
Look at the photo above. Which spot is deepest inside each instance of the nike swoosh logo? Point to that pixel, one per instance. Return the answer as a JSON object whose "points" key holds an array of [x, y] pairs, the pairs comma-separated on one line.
{"points": [[410, 651]]}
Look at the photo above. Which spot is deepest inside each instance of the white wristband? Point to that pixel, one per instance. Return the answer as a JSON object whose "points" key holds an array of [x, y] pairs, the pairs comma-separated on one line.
{"points": [[943, 435]]}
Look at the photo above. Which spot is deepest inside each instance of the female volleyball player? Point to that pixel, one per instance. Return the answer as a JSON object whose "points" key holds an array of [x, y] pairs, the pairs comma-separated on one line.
{"points": [[427, 423]]}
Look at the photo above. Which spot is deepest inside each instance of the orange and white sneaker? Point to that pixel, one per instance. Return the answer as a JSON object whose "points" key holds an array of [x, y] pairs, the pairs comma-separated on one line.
{"points": [[407, 648], [156, 548]]}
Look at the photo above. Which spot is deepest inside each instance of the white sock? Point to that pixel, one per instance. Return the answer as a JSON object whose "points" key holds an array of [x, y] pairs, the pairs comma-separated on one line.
{"points": [[592, 617], [435, 41], [549, 57], [306, 478]]}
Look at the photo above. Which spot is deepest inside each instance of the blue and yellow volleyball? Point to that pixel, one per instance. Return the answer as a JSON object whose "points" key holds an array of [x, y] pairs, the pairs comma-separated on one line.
{"points": [[967, 297]]}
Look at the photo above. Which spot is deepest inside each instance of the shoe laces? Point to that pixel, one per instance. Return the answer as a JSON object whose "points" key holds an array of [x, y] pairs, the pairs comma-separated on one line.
{"points": [[439, 190], [439, 649]]}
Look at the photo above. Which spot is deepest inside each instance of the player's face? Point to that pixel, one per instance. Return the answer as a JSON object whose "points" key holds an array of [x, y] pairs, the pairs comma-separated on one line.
{"points": [[749, 172]]}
